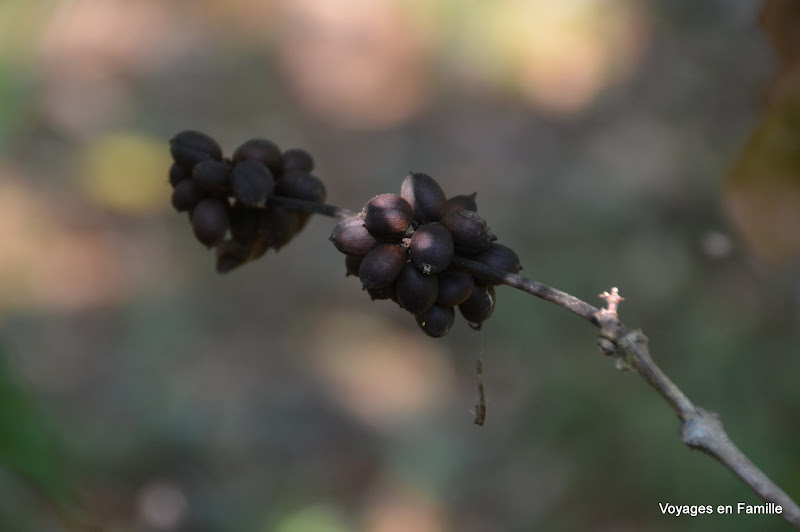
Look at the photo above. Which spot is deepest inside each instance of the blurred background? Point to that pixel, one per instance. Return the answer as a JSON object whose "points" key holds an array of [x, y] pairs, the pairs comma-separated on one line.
{"points": [[650, 145]]}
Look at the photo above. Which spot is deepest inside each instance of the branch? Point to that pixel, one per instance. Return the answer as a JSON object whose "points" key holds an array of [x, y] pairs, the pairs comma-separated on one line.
{"points": [[700, 429]]}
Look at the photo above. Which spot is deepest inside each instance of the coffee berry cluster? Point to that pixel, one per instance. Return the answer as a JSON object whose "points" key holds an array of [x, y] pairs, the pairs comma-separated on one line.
{"points": [[228, 199], [401, 248]]}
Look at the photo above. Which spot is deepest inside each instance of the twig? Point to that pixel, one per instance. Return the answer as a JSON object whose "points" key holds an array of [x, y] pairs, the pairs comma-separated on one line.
{"points": [[700, 429], [480, 408]]}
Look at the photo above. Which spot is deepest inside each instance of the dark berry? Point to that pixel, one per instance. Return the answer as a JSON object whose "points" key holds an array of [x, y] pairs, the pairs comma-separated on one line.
{"points": [[244, 223], [210, 221], [352, 265], [499, 257], [231, 255], [252, 183], [416, 292], [301, 185], [479, 306], [426, 197], [454, 288], [381, 267], [352, 238], [470, 232], [431, 248], [212, 177], [190, 147], [262, 150], [277, 225], [464, 202], [387, 215], [185, 196], [177, 173], [297, 159], [436, 321]]}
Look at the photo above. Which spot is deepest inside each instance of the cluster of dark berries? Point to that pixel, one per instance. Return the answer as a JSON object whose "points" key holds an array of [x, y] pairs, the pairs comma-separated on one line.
{"points": [[401, 248], [228, 199]]}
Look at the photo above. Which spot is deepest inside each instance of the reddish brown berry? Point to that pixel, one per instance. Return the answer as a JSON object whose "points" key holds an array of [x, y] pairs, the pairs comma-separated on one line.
{"points": [[416, 292], [190, 147], [387, 215], [479, 306], [210, 221], [499, 257], [436, 321], [425, 196], [470, 232], [454, 288], [431, 248], [262, 150], [352, 238], [381, 267], [252, 183]]}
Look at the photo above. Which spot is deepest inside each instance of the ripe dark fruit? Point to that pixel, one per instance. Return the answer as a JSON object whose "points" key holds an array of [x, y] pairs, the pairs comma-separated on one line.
{"points": [[352, 238], [177, 174], [431, 248], [454, 288], [211, 176], [185, 195], [464, 202], [244, 223], [425, 196], [262, 150], [499, 257], [190, 147], [470, 232], [387, 215], [252, 183], [301, 185], [352, 265], [416, 292], [231, 255], [479, 306], [297, 159], [387, 292], [436, 321], [210, 221], [381, 267], [277, 225]]}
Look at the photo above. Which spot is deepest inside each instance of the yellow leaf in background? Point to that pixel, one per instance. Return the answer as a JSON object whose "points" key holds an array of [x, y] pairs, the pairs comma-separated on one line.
{"points": [[126, 172], [762, 192]]}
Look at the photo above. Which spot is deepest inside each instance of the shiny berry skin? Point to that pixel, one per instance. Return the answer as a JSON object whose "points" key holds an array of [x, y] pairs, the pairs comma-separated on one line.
{"points": [[436, 321], [426, 197], [470, 232], [381, 267], [431, 248], [352, 238], [416, 291], [387, 215], [479, 306]]}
